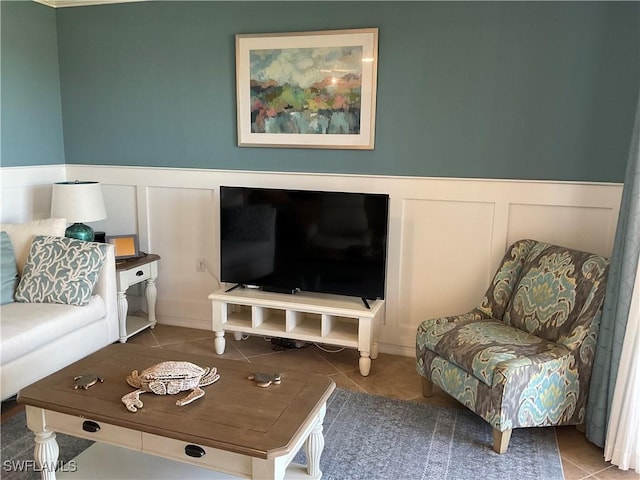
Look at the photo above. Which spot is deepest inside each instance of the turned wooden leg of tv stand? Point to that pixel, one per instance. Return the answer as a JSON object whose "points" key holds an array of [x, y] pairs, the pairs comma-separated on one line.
{"points": [[364, 363], [219, 342]]}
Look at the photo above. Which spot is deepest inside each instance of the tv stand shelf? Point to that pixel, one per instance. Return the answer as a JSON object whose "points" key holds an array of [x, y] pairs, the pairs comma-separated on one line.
{"points": [[310, 317]]}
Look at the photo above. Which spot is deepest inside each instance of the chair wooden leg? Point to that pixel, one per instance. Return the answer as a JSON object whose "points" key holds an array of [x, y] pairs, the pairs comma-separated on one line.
{"points": [[501, 440], [427, 387]]}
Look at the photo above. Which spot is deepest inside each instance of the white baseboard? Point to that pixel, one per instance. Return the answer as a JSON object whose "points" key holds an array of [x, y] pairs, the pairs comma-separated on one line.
{"points": [[199, 324]]}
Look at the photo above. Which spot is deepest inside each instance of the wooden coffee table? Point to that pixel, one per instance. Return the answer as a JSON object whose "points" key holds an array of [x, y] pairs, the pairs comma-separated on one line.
{"points": [[237, 427]]}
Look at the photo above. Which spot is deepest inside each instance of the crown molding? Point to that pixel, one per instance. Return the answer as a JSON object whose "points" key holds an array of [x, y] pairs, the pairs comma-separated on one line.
{"points": [[81, 3]]}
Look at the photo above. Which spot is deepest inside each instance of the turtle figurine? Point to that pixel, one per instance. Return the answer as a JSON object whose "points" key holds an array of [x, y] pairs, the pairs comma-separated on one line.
{"points": [[265, 379], [86, 381], [169, 378]]}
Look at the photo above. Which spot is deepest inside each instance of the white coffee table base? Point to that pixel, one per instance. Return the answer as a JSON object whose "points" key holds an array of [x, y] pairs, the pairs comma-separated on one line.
{"points": [[46, 451], [107, 462]]}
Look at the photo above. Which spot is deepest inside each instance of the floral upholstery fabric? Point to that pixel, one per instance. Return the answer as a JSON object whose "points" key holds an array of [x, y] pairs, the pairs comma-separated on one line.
{"points": [[523, 357]]}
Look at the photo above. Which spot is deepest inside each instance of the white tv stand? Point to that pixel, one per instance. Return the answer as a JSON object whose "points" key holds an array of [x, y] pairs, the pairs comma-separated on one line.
{"points": [[310, 317]]}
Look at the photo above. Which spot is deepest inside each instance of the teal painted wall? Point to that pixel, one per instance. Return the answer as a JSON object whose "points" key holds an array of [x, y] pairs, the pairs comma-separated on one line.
{"points": [[31, 132], [540, 90]]}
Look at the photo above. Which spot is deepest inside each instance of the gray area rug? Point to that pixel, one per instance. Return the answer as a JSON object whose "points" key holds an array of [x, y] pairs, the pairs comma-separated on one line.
{"points": [[17, 449], [370, 437]]}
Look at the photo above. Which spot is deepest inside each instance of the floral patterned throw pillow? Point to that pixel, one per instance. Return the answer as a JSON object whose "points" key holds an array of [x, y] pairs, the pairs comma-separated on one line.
{"points": [[61, 270]]}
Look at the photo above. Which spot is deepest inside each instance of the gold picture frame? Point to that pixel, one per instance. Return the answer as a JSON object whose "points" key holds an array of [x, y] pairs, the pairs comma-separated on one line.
{"points": [[307, 89]]}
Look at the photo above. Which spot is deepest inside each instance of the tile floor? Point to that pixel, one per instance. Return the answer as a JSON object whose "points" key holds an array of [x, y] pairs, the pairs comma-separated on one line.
{"points": [[391, 375]]}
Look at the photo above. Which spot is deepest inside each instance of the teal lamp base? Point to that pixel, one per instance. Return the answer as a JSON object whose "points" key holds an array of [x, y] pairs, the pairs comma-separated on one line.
{"points": [[80, 231]]}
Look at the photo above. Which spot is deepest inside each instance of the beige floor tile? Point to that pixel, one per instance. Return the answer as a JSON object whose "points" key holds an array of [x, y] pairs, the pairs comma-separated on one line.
{"points": [[392, 376], [304, 359], [343, 359], [251, 346], [614, 473], [346, 383], [205, 347], [145, 338], [167, 334], [572, 471], [575, 447]]}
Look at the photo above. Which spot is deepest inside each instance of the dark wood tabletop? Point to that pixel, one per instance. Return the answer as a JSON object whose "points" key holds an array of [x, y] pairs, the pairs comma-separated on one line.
{"points": [[133, 262], [235, 414]]}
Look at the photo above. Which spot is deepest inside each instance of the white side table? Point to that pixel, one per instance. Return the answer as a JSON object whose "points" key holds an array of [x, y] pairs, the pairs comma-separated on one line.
{"points": [[131, 272]]}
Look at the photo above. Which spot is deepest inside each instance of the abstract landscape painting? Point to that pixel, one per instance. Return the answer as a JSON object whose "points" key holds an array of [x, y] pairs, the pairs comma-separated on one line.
{"points": [[306, 90], [313, 90]]}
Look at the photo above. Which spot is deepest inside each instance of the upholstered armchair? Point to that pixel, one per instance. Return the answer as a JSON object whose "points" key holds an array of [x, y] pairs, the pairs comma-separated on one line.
{"points": [[523, 357]]}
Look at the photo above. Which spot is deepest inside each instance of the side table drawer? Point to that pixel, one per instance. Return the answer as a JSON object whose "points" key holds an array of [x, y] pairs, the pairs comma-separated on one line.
{"points": [[126, 278], [79, 427], [228, 462]]}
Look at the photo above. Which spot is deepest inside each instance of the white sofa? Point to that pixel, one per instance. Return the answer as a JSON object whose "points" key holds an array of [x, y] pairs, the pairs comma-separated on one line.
{"points": [[38, 339]]}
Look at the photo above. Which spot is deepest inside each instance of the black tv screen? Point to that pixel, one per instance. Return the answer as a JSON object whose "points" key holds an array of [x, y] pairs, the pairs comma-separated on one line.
{"points": [[316, 241]]}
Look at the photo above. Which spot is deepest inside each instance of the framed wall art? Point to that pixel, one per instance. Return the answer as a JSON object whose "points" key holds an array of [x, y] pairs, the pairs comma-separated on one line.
{"points": [[307, 89]]}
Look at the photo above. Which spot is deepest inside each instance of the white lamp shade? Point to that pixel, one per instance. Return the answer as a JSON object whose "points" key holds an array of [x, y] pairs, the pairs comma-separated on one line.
{"points": [[78, 202]]}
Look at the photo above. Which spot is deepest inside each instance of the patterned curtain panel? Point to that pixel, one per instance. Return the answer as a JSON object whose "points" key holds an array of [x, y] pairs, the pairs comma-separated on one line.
{"points": [[617, 304]]}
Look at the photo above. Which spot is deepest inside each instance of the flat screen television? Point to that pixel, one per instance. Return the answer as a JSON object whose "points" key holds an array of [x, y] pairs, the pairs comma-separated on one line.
{"points": [[316, 241]]}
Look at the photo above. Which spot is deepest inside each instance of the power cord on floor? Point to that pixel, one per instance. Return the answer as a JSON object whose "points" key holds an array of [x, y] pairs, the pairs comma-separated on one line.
{"points": [[327, 350], [280, 348]]}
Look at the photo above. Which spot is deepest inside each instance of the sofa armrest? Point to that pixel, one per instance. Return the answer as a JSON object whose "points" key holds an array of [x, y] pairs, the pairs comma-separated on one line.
{"points": [[107, 289]]}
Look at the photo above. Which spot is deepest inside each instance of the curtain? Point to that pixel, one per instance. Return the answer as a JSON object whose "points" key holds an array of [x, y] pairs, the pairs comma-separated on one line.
{"points": [[616, 321], [622, 446]]}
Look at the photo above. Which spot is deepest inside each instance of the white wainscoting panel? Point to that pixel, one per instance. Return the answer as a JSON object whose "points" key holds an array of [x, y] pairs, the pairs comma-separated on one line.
{"points": [[121, 204], [26, 192], [582, 227], [443, 257], [181, 231], [446, 236]]}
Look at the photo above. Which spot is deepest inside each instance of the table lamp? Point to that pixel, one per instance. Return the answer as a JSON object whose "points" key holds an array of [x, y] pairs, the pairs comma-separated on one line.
{"points": [[78, 202]]}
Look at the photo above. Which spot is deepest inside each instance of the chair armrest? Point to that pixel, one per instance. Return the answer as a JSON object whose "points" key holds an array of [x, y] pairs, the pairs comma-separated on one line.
{"points": [[431, 330], [107, 289]]}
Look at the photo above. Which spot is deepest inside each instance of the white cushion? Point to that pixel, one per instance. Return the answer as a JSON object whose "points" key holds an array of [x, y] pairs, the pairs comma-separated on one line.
{"points": [[22, 235], [28, 326]]}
